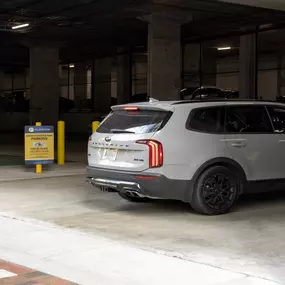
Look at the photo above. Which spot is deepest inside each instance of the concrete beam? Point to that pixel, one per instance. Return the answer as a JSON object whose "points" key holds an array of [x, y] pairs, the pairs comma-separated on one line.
{"points": [[268, 4]]}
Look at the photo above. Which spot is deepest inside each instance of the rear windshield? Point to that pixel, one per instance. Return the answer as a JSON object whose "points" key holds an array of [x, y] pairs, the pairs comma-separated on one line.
{"points": [[136, 122]]}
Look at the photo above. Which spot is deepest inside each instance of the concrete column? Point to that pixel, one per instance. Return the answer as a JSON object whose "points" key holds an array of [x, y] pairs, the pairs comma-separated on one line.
{"points": [[2, 80], [192, 72], [247, 75], [209, 67], [281, 76], [44, 85], [124, 78], [102, 85], [164, 58], [80, 81], [139, 73]]}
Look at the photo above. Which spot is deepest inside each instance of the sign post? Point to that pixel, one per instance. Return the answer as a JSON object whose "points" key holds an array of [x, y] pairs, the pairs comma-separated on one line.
{"points": [[39, 145], [39, 167]]}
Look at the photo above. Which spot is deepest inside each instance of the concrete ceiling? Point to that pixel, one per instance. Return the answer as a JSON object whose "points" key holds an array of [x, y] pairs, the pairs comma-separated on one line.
{"points": [[90, 28], [269, 4]]}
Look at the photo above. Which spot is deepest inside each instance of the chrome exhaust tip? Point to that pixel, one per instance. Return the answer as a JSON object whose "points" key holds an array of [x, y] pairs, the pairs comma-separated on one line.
{"points": [[134, 194]]}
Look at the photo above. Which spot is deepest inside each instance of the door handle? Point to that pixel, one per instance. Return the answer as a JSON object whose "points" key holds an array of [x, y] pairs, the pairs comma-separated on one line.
{"points": [[238, 144]]}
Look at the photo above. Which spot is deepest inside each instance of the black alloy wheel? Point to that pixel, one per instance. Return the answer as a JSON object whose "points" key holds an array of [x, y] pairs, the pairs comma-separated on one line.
{"points": [[219, 191], [216, 191]]}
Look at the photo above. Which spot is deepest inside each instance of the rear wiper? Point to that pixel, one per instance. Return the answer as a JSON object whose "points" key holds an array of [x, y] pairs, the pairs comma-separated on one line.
{"points": [[118, 131]]}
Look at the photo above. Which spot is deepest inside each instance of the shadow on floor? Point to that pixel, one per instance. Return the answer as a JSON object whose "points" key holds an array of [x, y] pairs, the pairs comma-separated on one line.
{"points": [[245, 203]]}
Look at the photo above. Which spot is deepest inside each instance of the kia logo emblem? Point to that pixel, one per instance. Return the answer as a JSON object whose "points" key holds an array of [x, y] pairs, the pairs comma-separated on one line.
{"points": [[107, 139]]}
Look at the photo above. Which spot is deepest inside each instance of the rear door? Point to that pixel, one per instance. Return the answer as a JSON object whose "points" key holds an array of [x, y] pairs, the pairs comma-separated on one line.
{"points": [[114, 145], [277, 114], [248, 133]]}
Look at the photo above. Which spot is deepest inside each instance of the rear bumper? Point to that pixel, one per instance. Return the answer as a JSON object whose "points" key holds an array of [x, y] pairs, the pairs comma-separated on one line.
{"points": [[140, 184]]}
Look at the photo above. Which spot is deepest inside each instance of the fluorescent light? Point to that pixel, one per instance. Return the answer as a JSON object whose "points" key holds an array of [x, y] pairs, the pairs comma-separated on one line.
{"points": [[224, 48], [71, 65], [20, 26]]}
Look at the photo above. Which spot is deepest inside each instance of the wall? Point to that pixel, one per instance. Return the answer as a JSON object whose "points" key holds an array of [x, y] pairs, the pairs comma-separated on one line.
{"points": [[75, 122], [13, 121], [228, 75], [114, 85], [267, 76], [79, 122], [9, 81]]}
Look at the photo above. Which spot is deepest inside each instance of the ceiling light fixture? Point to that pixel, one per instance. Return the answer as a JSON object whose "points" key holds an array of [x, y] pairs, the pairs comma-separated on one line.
{"points": [[71, 66], [224, 48], [20, 26]]}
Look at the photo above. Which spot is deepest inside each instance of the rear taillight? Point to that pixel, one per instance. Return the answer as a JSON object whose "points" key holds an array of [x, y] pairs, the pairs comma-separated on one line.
{"points": [[155, 152]]}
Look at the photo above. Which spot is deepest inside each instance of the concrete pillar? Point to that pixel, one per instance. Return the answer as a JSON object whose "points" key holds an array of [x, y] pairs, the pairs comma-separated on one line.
{"points": [[191, 65], [281, 76], [139, 73], [209, 67], [80, 81], [2, 80], [102, 85], [44, 85], [124, 78], [247, 75], [164, 58]]}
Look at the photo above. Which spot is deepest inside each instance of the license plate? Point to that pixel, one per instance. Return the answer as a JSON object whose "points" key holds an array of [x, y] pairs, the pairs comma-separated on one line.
{"points": [[110, 154]]}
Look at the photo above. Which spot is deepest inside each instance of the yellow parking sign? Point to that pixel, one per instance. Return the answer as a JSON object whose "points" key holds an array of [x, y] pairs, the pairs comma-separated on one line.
{"points": [[39, 144]]}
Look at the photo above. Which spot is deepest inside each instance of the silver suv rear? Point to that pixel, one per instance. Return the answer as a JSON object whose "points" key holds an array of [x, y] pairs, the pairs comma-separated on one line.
{"points": [[203, 153]]}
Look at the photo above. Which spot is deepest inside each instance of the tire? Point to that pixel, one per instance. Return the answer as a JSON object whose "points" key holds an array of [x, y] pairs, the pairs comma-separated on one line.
{"points": [[216, 191], [134, 199]]}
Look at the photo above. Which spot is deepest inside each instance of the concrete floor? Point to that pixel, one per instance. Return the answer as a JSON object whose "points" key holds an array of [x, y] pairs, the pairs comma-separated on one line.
{"points": [[250, 240]]}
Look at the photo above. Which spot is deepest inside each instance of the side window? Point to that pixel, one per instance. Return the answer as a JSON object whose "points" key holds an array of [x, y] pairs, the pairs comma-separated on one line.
{"points": [[247, 119], [208, 120], [277, 115]]}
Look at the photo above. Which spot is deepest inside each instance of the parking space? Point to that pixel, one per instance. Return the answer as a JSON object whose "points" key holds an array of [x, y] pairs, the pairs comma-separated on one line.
{"points": [[249, 240]]}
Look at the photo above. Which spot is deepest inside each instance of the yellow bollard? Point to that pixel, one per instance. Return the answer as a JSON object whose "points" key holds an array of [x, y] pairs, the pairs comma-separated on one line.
{"points": [[39, 167], [95, 126], [60, 142]]}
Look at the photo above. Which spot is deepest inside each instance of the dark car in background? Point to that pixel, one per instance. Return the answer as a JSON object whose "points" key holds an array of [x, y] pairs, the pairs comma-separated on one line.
{"points": [[281, 99], [194, 93], [140, 97], [209, 92]]}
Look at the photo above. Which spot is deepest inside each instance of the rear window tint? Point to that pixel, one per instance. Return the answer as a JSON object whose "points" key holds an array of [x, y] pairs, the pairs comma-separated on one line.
{"points": [[138, 122], [209, 120]]}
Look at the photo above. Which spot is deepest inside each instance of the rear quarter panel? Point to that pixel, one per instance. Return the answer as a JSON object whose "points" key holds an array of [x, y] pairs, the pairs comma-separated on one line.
{"points": [[186, 150]]}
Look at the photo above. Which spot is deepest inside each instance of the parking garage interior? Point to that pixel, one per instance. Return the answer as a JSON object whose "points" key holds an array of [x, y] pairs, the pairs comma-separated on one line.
{"points": [[73, 60]]}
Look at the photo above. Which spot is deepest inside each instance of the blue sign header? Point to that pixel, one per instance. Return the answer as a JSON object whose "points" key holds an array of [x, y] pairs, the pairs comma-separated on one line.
{"points": [[39, 129]]}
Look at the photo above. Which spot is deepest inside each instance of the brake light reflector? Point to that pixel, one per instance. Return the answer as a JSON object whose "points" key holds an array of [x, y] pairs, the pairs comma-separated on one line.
{"points": [[143, 177], [155, 152], [131, 108]]}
